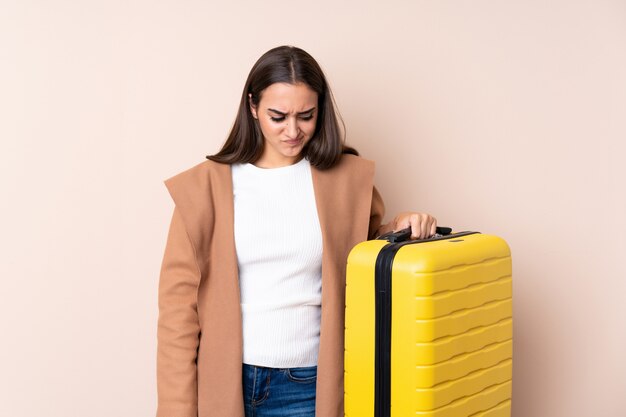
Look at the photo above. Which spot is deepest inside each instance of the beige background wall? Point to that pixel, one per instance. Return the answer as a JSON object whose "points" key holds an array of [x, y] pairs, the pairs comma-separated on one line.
{"points": [[506, 117]]}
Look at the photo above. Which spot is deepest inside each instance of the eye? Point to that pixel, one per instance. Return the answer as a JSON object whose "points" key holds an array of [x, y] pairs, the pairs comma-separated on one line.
{"points": [[309, 117], [277, 119]]}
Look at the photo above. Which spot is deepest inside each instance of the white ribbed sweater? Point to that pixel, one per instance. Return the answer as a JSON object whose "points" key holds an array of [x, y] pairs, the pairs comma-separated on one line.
{"points": [[279, 253]]}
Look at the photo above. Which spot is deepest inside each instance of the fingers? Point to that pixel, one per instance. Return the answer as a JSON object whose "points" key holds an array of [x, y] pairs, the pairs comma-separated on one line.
{"points": [[416, 226], [402, 221], [422, 225], [433, 227], [425, 227]]}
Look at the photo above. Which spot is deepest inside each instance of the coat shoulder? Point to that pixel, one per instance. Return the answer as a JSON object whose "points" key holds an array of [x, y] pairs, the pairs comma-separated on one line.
{"points": [[197, 171], [195, 181], [196, 192], [352, 161], [353, 165], [352, 174]]}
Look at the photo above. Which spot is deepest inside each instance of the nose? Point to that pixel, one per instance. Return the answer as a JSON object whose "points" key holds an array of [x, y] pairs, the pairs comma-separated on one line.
{"points": [[292, 129]]}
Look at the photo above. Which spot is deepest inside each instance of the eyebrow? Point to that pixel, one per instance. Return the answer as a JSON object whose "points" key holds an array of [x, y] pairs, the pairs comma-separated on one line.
{"points": [[284, 114]]}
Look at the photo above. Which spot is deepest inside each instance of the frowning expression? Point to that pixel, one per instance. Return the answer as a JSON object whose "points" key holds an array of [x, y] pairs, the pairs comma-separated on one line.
{"points": [[287, 115]]}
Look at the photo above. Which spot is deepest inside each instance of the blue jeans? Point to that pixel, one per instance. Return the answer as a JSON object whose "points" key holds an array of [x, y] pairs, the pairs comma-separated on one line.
{"points": [[279, 392]]}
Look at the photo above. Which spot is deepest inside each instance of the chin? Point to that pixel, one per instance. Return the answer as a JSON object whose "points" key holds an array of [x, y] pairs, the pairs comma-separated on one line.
{"points": [[295, 152]]}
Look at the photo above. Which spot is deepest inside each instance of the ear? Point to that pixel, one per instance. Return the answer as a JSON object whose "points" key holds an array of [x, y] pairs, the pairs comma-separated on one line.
{"points": [[252, 106]]}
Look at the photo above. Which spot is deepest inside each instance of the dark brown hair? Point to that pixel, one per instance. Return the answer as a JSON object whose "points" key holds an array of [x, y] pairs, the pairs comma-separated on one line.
{"points": [[292, 65]]}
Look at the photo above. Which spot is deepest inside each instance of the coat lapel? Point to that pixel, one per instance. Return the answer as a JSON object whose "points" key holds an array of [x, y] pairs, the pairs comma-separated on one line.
{"points": [[343, 196], [204, 196]]}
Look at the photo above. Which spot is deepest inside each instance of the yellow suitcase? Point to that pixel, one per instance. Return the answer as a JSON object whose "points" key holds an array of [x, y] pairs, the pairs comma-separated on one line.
{"points": [[429, 327]]}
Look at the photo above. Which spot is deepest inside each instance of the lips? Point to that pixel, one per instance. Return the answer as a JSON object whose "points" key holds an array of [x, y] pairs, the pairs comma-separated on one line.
{"points": [[293, 141]]}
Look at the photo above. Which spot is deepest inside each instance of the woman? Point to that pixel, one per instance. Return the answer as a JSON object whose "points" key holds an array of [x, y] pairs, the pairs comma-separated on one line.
{"points": [[251, 291]]}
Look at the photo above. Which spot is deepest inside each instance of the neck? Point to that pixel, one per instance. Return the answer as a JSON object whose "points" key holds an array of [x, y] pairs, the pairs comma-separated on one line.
{"points": [[266, 162]]}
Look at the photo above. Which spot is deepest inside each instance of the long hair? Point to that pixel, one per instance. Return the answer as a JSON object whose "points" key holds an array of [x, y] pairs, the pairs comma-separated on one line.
{"points": [[292, 65]]}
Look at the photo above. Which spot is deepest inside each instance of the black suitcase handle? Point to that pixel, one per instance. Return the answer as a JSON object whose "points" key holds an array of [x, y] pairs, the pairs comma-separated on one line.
{"points": [[405, 234]]}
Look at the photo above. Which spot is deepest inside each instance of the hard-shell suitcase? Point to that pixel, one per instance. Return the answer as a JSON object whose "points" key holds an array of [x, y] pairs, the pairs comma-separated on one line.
{"points": [[429, 327]]}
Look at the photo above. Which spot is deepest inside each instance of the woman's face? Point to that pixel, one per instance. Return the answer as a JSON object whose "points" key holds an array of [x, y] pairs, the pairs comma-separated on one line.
{"points": [[287, 115]]}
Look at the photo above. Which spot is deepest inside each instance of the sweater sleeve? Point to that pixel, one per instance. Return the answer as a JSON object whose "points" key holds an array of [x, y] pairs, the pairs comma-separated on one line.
{"points": [[178, 326], [377, 212]]}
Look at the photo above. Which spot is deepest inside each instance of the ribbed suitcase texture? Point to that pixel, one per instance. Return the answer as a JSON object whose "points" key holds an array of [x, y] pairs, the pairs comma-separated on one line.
{"points": [[429, 328]]}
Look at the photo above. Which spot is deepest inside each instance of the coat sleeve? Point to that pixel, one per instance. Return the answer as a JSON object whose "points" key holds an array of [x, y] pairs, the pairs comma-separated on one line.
{"points": [[178, 326], [377, 212]]}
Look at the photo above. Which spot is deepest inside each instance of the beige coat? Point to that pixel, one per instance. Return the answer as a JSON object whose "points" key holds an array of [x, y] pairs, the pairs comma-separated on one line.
{"points": [[199, 349]]}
